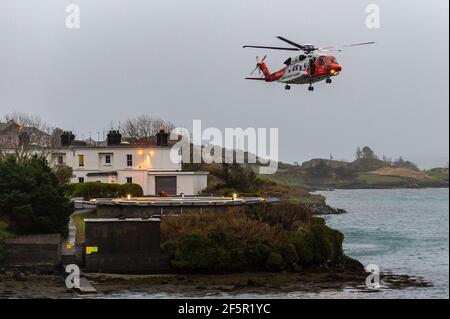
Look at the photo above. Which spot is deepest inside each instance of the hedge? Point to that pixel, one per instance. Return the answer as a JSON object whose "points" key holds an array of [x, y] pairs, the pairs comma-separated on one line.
{"points": [[103, 190]]}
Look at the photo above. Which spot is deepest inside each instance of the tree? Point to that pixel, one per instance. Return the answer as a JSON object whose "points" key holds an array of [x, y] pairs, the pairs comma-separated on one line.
{"points": [[402, 163], [63, 173], [237, 176], [358, 153], [27, 120], [31, 198], [27, 134], [367, 153], [387, 160], [143, 129]]}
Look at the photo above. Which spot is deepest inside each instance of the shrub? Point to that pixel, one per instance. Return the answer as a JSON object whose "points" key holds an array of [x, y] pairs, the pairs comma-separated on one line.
{"points": [[218, 252], [241, 239], [132, 189], [98, 190], [325, 243], [31, 198], [289, 254], [274, 261]]}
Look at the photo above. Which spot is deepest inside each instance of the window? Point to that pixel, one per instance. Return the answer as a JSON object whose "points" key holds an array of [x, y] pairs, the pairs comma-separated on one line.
{"points": [[107, 159], [129, 180], [321, 61], [60, 160], [81, 160], [81, 180], [333, 60], [129, 160]]}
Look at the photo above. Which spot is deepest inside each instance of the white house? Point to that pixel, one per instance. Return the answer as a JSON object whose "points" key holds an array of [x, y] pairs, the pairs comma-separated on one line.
{"points": [[150, 166]]}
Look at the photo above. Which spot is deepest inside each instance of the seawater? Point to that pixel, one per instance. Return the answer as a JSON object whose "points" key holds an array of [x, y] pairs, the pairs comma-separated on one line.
{"points": [[403, 231]]}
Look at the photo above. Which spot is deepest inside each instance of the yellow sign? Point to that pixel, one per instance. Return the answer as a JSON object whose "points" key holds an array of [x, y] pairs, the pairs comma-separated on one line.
{"points": [[69, 246], [91, 249]]}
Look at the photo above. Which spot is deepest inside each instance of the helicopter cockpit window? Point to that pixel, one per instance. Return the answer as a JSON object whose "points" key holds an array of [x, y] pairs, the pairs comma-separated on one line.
{"points": [[333, 60], [321, 61]]}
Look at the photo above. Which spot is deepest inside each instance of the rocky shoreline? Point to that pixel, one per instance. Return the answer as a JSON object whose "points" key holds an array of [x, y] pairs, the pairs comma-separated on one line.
{"points": [[319, 209], [14, 285]]}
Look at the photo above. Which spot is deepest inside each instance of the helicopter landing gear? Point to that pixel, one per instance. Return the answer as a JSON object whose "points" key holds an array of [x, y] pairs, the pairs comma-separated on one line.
{"points": [[311, 88], [287, 87], [328, 81]]}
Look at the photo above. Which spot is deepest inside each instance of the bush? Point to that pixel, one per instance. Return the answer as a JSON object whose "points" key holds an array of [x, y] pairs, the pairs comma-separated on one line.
{"points": [[218, 252], [104, 190], [241, 239], [289, 254], [323, 244], [132, 189], [274, 262], [31, 198]]}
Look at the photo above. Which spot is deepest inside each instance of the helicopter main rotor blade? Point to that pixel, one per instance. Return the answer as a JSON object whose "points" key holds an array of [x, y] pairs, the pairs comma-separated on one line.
{"points": [[271, 48], [337, 48], [299, 46]]}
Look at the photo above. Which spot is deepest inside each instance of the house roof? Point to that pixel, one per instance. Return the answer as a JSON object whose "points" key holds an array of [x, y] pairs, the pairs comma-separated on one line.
{"points": [[4, 125], [28, 129]]}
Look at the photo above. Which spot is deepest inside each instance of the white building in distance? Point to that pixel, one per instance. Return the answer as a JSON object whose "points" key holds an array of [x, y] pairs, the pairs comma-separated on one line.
{"points": [[150, 166]]}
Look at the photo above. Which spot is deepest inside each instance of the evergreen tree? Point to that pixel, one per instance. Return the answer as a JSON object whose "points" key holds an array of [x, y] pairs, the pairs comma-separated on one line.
{"points": [[31, 197]]}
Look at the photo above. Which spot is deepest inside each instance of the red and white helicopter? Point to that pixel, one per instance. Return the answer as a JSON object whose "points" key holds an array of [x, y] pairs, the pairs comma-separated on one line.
{"points": [[307, 68]]}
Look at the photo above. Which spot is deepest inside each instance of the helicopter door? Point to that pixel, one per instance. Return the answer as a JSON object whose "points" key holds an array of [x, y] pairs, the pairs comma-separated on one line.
{"points": [[312, 66], [321, 65]]}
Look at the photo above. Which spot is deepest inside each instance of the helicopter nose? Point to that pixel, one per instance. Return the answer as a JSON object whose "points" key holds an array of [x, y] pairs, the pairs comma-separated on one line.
{"points": [[335, 69]]}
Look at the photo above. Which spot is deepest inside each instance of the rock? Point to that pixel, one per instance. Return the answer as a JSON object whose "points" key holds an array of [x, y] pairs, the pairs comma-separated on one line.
{"points": [[20, 276], [326, 210]]}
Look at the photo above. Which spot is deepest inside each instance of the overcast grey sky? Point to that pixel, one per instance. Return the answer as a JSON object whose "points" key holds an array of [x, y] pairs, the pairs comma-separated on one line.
{"points": [[183, 60]]}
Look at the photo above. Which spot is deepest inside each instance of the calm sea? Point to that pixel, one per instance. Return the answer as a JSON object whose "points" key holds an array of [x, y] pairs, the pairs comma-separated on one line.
{"points": [[403, 231]]}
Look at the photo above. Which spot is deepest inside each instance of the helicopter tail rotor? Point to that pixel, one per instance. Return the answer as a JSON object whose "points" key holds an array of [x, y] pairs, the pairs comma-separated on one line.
{"points": [[258, 64]]}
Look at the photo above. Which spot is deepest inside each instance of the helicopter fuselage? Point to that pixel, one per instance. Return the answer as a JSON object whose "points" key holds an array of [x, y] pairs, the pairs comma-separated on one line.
{"points": [[306, 70]]}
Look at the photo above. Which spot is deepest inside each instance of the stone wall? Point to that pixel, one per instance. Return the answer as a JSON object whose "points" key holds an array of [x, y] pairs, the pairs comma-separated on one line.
{"points": [[33, 251]]}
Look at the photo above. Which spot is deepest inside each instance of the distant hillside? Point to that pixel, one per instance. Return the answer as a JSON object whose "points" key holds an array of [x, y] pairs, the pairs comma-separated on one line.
{"points": [[319, 174]]}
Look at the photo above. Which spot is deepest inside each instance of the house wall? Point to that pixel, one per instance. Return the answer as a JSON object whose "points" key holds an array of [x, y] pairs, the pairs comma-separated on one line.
{"points": [[191, 184], [146, 163], [148, 158]]}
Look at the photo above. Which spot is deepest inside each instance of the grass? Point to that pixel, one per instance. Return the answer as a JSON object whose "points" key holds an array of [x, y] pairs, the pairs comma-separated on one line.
{"points": [[380, 180], [79, 223], [438, 175]]}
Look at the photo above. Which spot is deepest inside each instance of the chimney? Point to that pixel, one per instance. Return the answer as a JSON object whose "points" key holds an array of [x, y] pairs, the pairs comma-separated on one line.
{"points": [[162, 138], [67, 138], [114, 138]]}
